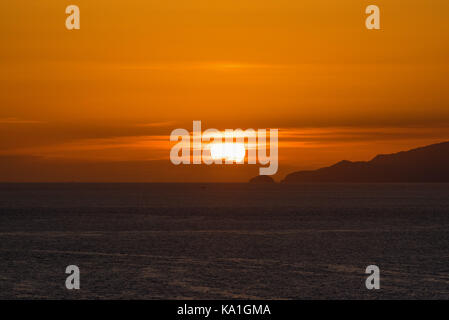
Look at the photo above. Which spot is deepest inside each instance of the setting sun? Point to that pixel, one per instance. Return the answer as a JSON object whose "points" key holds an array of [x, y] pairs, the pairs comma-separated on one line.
{"points": [[228, 151]]}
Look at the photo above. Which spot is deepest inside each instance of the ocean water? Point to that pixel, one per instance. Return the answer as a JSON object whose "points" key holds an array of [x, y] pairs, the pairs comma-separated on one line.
{"points": [[224, 241]]}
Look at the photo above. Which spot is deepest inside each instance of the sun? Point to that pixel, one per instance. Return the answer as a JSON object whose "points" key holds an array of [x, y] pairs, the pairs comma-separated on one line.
{"points": [[228, 151]]}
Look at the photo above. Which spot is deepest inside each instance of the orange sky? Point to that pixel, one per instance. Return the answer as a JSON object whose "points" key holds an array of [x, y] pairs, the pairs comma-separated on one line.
{"points": [[98, 104]]}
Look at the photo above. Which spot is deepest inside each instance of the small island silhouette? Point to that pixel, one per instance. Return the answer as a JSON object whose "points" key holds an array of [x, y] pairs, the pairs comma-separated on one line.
{"points": [[262, 180], [424, 164]]}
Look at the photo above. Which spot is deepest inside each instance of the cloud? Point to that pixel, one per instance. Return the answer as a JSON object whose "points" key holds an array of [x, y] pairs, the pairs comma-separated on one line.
{"points": [[127, 148], [12, 120], [157, 124], [341, 135], [208, 65]]}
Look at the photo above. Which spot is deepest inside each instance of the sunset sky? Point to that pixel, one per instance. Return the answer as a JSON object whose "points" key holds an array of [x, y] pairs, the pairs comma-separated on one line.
{"points": [[99, 103]]}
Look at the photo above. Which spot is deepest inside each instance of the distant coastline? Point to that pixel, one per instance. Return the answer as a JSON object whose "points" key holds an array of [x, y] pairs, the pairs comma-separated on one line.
{"points": [[424, 164]]}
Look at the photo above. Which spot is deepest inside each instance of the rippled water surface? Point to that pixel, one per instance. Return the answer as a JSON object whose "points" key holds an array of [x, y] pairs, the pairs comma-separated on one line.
{"points": [[219, 241]]}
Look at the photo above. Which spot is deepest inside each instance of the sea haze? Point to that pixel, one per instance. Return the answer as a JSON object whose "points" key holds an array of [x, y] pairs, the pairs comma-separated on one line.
{"points": [[224, 241]]}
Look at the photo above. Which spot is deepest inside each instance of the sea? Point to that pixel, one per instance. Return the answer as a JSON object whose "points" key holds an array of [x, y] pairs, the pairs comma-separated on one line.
{"points": [[224, 241]]}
